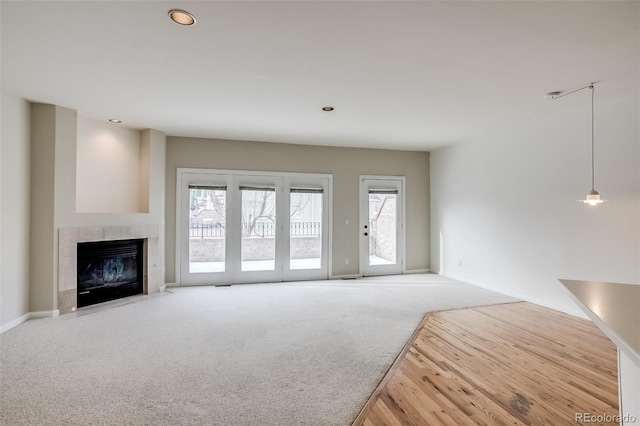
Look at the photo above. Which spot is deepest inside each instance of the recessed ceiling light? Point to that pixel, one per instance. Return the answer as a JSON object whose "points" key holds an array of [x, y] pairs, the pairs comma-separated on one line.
{"points": [[182, 17], [115, 120], [327, 108]]}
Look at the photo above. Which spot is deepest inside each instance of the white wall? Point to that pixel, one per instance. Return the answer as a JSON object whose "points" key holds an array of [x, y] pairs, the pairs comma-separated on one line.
{"points": [[506, 206], [14, 209], [108, 168]]}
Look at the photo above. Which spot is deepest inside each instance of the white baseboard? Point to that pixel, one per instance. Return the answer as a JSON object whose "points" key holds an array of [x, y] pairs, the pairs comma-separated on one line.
{"points": [[417, 271], [44, 314], [577, 312], [171, 285], [16, 322]]}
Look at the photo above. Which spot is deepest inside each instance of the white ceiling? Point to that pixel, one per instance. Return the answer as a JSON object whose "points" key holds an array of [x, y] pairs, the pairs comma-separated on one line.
{"points": [[401, 75]]}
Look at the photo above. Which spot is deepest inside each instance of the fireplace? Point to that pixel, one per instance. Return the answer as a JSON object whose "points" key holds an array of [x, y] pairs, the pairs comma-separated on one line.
{"points": [[109, 270], [68, 244]]}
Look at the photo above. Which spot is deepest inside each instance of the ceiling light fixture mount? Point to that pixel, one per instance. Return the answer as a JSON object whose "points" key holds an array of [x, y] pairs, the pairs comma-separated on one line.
{"points": [[115, 121], [182, 17], [327, 108], [593, 197]]}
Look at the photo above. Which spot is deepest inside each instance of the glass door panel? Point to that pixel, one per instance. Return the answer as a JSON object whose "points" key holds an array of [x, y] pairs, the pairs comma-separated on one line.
{"points": [[207, 228], [306, 247], [305, 228], [259, 225], [383, 227], [205, 224]]}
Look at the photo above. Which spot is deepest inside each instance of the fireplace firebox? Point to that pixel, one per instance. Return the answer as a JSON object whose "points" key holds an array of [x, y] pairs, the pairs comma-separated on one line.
{"points": [[109, 270]]}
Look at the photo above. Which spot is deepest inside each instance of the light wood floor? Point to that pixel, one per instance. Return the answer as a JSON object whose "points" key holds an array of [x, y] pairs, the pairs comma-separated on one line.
{"points": [[516, 364]]}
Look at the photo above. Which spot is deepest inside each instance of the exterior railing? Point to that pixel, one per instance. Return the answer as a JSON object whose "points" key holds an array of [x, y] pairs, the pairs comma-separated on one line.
{"points": [[304, 229], [206, 230], [260, 229]]}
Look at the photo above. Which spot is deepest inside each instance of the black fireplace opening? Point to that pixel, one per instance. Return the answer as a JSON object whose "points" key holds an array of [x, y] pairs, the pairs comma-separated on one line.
{"points": [[109, 270]]}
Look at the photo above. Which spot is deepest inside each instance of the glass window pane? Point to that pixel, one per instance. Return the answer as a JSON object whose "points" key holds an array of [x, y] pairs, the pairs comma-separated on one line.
{"points": [[305, 240], [207, 229], [258, 246], [382, 228]]}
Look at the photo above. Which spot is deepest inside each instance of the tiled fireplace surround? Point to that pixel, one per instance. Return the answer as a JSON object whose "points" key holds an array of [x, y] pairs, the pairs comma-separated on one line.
{"points": [[68, 239]]}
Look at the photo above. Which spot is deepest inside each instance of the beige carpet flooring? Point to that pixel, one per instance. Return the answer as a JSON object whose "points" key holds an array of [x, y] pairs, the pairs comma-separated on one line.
{"points": [[307, 353]]}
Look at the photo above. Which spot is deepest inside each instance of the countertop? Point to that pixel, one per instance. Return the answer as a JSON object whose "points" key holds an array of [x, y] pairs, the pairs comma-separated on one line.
{"points": [[614, 307]]}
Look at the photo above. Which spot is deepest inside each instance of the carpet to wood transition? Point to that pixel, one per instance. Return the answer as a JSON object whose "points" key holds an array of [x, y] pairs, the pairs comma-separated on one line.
{"points": [[515, 364]]}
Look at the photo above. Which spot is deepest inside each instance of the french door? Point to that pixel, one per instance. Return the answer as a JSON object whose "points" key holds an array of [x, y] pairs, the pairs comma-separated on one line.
{"points": [[243, 227], [381, 225]]}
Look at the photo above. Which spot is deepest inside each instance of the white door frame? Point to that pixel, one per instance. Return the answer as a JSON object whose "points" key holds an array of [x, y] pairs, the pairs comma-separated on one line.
{"points": [[258, 181], [382, 182], [186, 176], [324, 183]]}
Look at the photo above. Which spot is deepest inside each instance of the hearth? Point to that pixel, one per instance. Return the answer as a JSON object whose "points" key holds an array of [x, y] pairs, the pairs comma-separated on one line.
{"points": [[109, 270]]}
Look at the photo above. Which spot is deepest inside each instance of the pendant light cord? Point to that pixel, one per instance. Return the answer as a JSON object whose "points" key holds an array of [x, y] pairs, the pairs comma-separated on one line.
{"points": [[556, 95], [593, 164], [593, 198]]}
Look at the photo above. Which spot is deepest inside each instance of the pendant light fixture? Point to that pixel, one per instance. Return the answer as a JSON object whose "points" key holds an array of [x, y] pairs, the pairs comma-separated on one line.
{"points": [[593, 197]]}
